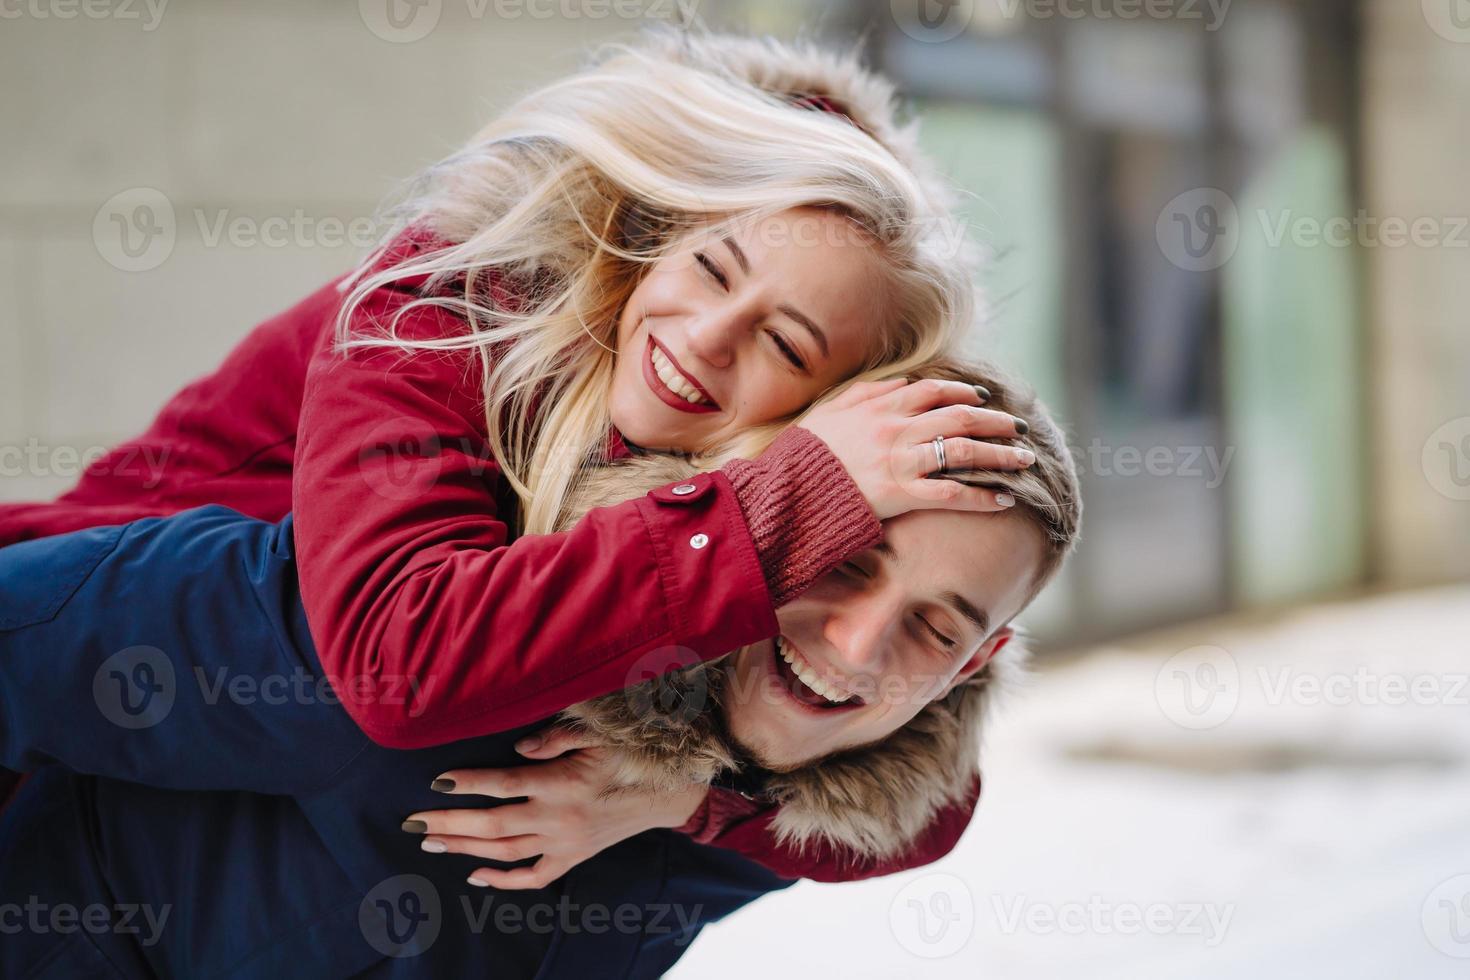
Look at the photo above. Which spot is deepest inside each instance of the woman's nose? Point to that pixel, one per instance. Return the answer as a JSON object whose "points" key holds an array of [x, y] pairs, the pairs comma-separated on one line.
{"points": [[711, 336]]}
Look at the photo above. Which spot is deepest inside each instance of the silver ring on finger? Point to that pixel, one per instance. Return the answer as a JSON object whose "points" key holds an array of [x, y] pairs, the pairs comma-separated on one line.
{"points": [[939, 453]]}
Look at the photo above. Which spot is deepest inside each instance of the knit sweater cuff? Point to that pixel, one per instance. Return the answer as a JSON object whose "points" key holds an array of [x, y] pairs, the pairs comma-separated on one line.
{"points": [[720, 809], [805, 513]]}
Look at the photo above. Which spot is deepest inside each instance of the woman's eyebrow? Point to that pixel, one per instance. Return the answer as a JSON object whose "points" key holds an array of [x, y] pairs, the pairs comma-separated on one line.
{"points": [[811, 327], [801, 318], [736, 251]]}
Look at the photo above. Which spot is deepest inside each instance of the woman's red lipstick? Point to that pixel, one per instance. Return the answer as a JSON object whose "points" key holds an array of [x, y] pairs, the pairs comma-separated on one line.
{"points": [[662, 390]]}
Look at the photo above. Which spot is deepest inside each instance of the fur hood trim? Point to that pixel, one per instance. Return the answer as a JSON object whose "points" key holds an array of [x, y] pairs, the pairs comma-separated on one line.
{"points": [[874, 800]]}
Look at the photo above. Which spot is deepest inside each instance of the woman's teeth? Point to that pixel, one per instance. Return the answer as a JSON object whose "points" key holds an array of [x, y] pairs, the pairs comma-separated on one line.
{"points": [[675, 381], [809, 676]]}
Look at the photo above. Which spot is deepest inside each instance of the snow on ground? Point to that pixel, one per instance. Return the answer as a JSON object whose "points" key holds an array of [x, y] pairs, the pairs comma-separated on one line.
{"points": [[1280, 799]]}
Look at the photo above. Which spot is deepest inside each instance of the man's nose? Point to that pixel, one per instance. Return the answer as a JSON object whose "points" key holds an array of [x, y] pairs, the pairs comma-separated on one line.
{"points": [[858, 636]]}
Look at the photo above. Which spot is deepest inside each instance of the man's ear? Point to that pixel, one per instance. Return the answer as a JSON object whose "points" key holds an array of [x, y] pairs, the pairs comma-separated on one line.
{"points": [[982, 656]]}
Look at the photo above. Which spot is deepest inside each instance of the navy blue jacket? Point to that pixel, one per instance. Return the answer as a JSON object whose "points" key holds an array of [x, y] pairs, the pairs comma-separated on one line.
{"points": [[193, 764]]}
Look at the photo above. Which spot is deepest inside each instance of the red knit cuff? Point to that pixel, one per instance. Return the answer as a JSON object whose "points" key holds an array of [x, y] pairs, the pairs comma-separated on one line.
{"points": [[805, 513], [720, 809]]}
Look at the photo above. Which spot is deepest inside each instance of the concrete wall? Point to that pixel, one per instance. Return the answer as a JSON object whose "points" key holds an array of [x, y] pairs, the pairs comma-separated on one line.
{"points": [[1416, 88], [273, 116], [301, 112]]}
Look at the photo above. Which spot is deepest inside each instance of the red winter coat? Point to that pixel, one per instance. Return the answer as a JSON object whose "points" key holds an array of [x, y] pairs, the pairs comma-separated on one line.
{"points": [[409, 577]]}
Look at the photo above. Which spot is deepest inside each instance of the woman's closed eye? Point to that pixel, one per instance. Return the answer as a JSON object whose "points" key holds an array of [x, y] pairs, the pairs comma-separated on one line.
{"points": [[784, 346], [713, 269], [787, 350]]}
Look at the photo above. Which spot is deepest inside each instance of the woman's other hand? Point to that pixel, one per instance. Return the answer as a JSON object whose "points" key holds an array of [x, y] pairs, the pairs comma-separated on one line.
{"points": [[558, 816]]}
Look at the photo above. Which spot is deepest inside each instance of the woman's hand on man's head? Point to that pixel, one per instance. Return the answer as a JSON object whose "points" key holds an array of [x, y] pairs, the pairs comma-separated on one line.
{"points": [[883, 433]]}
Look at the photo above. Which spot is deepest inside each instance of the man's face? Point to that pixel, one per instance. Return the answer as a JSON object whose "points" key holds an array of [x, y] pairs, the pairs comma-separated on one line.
{"points": [[890, 628]]}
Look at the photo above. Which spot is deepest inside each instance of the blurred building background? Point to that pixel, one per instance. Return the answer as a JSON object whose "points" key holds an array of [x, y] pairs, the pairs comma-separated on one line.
{"points": [[1229, 241]]}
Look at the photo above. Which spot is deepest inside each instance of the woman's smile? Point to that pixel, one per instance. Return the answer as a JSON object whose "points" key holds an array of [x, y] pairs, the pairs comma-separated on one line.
{"points": [[673, 386]]}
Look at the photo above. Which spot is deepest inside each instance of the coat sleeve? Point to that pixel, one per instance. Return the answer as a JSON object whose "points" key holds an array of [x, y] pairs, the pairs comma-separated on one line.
{"points": [[728, 820], [170, 652], [411, 582]]}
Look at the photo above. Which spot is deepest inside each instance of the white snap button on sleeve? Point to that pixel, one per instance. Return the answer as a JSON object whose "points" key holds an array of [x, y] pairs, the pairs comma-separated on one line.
{"points": [[699, 541]]}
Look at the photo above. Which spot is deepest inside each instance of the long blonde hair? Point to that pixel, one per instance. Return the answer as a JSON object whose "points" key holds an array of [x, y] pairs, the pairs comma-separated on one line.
{"points": [[574, 191]]}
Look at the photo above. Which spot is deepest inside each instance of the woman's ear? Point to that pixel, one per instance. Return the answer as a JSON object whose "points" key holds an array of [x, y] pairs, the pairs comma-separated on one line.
{"points": [[982, 656]]}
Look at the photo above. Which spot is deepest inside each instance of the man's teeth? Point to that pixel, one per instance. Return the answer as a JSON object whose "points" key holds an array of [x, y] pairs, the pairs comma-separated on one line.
{"points": [[677, 383], [808, 676]]}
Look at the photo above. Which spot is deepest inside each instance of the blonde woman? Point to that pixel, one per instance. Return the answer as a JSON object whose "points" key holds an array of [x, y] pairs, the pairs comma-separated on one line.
{"points": [[680, 248]]}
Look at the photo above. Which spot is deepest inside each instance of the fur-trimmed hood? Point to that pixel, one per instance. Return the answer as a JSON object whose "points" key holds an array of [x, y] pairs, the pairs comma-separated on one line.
{"points": [[805, 67], [873, 800]]}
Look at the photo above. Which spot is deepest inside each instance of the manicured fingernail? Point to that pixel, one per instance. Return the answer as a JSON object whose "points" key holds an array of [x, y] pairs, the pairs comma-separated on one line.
{"points": [[983, 392], [1025, 457], [434, 846], [529, 744], [1005, 500], [477, 882], [415, 826], [442, 785], [1022, 427]]}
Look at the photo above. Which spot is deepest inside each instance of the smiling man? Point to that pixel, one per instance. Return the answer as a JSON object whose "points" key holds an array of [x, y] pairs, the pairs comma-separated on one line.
{"points": [[863, 650], [275, 823]]}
